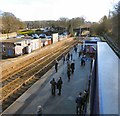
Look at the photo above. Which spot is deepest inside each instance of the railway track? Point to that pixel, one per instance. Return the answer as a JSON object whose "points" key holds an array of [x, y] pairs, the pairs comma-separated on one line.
{"points": [[16, 67], [28, 68], [19, 82]]}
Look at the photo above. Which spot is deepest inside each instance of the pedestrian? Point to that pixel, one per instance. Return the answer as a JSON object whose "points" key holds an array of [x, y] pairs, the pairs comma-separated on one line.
{"points": [[84, 50], [80, 53], [39, 111], [72, 67], [68, 56], [71, 56], [82, 61], [68, 73], [63, 58], [84, 100], [53, 86], [56, 66], [75, 48], [68, 65], [59, 85], [78, 100]]}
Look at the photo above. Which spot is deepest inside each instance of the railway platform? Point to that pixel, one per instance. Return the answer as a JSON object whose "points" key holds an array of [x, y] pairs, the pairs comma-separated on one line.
{"points": [[40, 92]]}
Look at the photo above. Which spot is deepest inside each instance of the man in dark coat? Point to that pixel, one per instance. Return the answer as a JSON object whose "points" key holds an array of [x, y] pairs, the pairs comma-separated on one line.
{"points": [[71, 56], [56, 65], [80, 52], [68, 56], [63, 59], [84, 101], [59, 85], [79, 104], [68, 73], [72, 67], [53, 86]]}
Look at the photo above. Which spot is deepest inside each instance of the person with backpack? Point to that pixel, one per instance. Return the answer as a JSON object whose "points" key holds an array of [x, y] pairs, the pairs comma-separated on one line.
{"points": [[72, 67], [78, 101], [53, 86], [59, 85]]}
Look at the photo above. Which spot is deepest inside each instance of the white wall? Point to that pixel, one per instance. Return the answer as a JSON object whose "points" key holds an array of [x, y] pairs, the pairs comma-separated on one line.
{"points": [[55, 37]]}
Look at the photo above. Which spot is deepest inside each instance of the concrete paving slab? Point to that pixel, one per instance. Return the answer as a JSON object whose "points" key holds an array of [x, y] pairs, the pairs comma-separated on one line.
{"points": [[23, 98], [15, 107]]}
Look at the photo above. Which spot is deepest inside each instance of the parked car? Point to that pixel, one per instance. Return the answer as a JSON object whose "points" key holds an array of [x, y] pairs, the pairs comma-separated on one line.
{"points": [[20, 36], [35, 36], [49, 37], [42, 36]]}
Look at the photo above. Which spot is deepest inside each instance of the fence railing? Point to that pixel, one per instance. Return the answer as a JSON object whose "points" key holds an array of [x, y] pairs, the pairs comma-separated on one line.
{"points": [[93, 90], [112, 44]]}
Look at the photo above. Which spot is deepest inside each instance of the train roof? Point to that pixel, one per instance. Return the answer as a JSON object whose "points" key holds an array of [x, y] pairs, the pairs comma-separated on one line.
{"points": [[107, 79]]}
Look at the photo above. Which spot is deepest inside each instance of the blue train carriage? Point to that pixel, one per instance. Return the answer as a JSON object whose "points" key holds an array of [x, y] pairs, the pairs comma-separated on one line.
{"points": [[104, 87]]}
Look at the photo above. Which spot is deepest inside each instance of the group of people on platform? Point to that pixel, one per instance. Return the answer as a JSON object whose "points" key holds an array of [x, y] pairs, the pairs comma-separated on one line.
{"points": [[81, 100], [70, 68], [56, 85]]}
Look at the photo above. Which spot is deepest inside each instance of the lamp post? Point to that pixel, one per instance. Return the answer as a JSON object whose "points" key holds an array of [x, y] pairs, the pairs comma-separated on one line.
{"points": [[80, 32]]}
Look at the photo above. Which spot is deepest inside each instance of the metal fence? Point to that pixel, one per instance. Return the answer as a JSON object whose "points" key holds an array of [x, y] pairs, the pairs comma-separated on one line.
{"points": [[94, 93], [112, 44]]}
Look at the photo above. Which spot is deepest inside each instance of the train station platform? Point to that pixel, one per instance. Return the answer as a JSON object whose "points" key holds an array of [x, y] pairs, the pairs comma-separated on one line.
{"points": [[40, 92]]}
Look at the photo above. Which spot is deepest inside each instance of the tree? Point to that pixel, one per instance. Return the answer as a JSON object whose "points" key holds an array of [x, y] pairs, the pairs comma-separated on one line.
{"points": [[109, 26], [11, 23]]}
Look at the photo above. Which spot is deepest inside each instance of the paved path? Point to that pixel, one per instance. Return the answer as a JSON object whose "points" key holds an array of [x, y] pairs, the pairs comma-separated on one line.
{"points": [[40, 93]]}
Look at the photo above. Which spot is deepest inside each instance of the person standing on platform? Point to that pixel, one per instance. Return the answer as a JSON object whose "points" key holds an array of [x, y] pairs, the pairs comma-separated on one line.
{"points": [[78, 101], [82, 61], [84, 101], [39, 111], [63, 58], [71, 56], [56, 66], [68, 56], [68, 73], [53, 86], [72, 67], [80, 53], [59, 85]]}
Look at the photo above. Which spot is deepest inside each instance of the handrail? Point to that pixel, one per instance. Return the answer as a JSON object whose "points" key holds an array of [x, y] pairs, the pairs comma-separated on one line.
{"points": [[112, 44]]}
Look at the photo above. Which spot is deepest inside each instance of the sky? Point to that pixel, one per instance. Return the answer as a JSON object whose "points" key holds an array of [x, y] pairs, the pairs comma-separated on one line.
{"points": [[31, 10]]}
